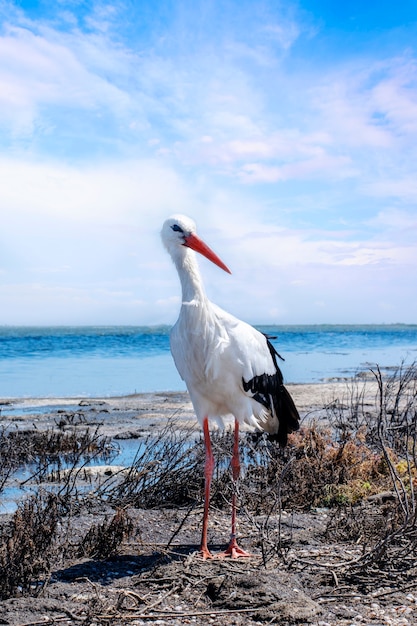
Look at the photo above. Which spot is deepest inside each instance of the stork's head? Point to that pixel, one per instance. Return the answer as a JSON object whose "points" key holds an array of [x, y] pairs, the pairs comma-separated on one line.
{"points": [[179, 231]]}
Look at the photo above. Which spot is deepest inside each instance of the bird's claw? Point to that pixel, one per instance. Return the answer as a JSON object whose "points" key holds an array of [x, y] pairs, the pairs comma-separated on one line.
{"points": [[233, 551], [205, 554]]}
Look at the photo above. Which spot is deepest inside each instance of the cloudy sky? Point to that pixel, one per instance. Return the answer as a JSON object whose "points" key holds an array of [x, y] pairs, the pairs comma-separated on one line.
{"points": [[287, 130]]}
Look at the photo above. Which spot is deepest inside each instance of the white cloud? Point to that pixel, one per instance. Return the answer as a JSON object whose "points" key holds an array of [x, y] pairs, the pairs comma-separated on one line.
{"points": [[82, 235], [346, 115], [396, 219], [403, 188], [370, 103], [289, 248], [395, 96], [107, 192], [36, 72], [285, 33], [166, 104], [322, 166]]}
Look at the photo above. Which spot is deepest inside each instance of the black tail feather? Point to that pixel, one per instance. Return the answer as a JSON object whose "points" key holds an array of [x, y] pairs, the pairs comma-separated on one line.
{"points": [[288, 416], [268, 390]]}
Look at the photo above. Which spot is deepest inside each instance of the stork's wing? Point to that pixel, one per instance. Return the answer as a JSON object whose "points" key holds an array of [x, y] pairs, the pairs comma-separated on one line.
{"points": [[269, 390], [261, 376]]}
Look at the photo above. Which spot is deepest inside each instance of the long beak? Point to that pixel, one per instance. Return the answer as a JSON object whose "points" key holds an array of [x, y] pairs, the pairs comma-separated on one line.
{"points": [[195, 243]]}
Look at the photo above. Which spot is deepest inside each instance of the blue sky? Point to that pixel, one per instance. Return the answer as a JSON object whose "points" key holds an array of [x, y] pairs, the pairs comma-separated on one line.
{"points": [[287, 130]]}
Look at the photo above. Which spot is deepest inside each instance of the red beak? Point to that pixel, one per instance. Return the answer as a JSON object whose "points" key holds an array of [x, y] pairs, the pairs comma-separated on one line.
{"points": [[195, 243]]}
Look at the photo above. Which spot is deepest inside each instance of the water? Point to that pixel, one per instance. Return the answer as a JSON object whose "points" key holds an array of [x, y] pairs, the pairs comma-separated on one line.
{"points": [[118, 360]]}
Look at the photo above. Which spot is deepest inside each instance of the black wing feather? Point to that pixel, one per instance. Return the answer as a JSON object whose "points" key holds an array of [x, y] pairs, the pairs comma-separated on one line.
{"points": [[269, 390]]}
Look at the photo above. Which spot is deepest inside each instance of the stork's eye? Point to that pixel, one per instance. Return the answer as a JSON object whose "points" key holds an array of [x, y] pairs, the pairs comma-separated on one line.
{"points": [[177, 228]]}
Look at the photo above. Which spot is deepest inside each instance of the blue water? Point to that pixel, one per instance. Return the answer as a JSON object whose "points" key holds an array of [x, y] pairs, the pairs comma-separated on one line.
{"points": [[106, 361]]}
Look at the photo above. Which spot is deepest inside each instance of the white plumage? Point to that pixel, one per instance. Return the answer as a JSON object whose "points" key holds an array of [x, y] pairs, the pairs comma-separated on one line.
{"points": [[214, 360], [229, 367]]}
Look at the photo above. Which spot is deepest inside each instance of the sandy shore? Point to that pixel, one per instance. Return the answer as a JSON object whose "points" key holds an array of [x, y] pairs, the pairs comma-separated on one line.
{"points": [[131, 414]]}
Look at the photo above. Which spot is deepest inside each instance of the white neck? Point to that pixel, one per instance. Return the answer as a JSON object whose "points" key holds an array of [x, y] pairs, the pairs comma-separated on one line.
{"points": [[189, 273]]}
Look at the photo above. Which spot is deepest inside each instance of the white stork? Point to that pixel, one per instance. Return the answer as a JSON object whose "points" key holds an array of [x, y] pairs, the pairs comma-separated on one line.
{"points": [[229, 367]]}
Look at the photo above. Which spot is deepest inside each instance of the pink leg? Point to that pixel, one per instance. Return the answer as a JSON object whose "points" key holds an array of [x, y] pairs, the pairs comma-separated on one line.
{"points": [[208, 473], [233, 550]]}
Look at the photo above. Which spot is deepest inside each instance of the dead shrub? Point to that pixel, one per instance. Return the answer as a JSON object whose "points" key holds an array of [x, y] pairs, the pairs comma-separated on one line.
{"points": [[30, 541], [363, 524], [388, 428], [318, 472], [27, 545], [50, 449], [165, 473], [104, 540]]}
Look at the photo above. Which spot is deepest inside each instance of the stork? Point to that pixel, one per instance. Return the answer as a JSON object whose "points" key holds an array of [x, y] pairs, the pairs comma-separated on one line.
{"points": [[229, 367]]}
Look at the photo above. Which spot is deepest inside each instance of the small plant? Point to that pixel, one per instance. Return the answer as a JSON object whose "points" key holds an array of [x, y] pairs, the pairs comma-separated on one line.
{"points": [[27, 545], [103, 540]]}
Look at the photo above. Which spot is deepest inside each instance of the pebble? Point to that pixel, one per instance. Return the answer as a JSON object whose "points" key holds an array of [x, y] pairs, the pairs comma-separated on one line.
{"points": [[401, 615]]}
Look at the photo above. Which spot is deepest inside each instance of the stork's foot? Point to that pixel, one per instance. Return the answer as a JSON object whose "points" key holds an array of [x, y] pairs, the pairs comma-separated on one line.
{"points": [[205, 553], [233, 551]]}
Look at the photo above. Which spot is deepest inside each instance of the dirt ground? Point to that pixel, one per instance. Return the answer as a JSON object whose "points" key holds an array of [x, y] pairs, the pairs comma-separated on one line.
{"points": [[158, 576]]}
